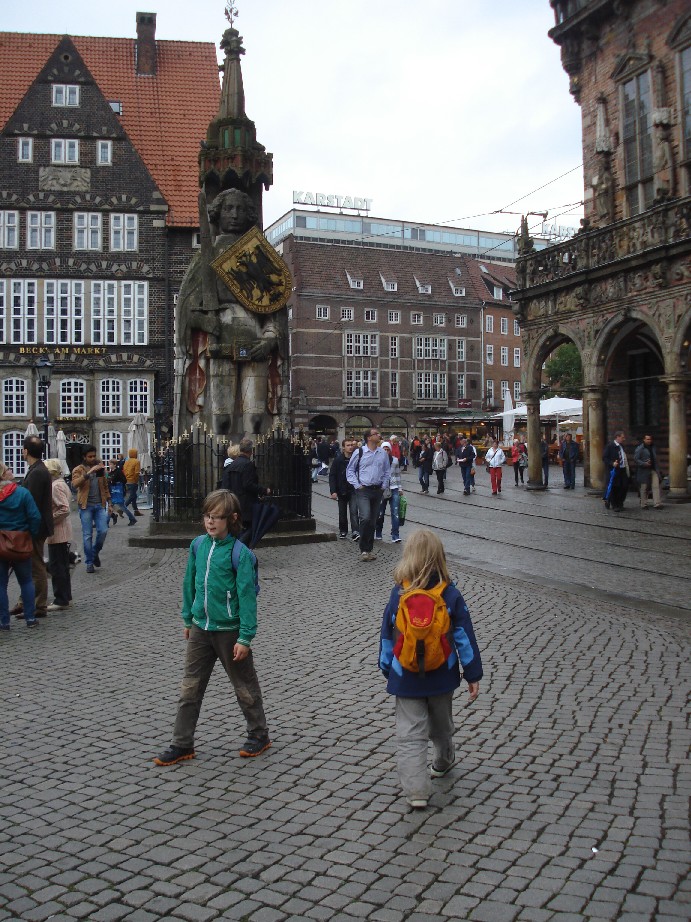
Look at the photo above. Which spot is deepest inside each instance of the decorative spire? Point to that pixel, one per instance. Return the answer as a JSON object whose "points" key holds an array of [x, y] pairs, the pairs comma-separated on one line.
{"points": [[233, 92], [231, 12]]}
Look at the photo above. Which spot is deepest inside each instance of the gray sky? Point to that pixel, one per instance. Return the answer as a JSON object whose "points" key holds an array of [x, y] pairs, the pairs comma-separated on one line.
{"points": [[438, 110]]}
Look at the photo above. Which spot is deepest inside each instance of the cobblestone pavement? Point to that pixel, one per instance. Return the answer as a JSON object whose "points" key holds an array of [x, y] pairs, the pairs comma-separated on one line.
{"points": [[570, 801], [561, 538]]}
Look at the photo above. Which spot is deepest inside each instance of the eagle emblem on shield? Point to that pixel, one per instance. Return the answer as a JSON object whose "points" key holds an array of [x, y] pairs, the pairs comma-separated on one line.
{"points": [[255, 273]]}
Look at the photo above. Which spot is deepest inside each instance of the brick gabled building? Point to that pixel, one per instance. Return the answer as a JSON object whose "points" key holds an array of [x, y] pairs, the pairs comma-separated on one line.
{"points": [[99, 142], [396, 338]]}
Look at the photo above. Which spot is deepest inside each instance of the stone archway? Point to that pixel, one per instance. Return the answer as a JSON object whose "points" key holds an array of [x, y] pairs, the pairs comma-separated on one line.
{"points": [[539, 346], [356, 426], [323, 425]]}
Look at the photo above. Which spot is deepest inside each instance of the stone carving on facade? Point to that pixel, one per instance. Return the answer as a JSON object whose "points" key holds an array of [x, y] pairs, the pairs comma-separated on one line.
{"points": [[607, 291], [662, 140], [525, 241], [64, 179]]}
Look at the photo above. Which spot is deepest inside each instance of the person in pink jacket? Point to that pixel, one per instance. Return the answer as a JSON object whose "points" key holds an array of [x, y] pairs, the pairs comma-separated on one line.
{"points": [[59, 542]]}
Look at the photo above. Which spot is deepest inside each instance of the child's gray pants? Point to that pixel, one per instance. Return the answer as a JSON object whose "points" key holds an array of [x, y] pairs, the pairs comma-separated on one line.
{"points": [[417, 721]]}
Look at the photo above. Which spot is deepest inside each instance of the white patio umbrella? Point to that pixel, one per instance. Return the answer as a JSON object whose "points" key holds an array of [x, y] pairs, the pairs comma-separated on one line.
{"points": [[31, 429], [61, 451]]}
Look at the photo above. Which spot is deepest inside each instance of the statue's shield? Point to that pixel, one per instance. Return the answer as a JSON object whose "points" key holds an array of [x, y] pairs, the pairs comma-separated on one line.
{"points": [[255, 273]]}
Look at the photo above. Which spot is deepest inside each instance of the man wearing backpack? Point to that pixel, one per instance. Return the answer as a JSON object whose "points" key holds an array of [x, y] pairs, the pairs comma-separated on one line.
{"points": [[368, 473]]}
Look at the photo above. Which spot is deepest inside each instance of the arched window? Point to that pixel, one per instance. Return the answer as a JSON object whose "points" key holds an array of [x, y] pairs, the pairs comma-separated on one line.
{"points": [[138, 391], [111, 397], [110, 445], [12, 452], [14, 397], [73, 398]]}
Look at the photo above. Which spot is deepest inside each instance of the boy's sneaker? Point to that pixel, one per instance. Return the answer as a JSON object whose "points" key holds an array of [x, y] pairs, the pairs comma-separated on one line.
{"points": [[395, 540], [33, 623], [97, 560], [90, 568], [417, 803], [255, 746], [378, 538], [343, 535], [355, 536], [174, 754], [440, 772]]}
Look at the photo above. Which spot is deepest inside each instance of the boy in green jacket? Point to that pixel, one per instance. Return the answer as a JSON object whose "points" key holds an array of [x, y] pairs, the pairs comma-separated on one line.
{"points": [[219, 609]]}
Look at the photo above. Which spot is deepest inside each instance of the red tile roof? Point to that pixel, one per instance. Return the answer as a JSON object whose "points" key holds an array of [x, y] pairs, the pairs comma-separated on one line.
{"points": [[165, 116]]}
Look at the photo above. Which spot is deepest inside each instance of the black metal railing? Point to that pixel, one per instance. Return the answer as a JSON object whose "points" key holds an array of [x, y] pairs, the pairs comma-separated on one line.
{"points": [[186, 469]]}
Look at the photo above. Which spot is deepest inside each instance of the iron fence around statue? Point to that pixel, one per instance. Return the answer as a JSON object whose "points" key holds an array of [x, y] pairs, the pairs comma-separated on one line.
{"points": [[187, 469]]}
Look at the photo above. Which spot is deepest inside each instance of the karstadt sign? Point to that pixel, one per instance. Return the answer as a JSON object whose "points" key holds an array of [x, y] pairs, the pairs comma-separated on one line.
{"points": [[331, 201]]}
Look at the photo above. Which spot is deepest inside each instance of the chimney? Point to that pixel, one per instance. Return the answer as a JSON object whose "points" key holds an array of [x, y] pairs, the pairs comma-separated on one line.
{"points": [[146, 44]]}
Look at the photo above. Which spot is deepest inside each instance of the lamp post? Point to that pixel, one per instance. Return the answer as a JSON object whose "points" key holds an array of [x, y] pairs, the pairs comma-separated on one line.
{"points": [[44, 373]]}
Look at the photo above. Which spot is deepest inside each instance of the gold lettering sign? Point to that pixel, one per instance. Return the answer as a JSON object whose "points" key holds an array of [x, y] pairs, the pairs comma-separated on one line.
{"points": [[62, 350], [255, 273]]}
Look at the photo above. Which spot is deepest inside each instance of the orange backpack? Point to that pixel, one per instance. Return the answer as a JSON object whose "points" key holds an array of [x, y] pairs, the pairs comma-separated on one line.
{"points": [[422, 624]]}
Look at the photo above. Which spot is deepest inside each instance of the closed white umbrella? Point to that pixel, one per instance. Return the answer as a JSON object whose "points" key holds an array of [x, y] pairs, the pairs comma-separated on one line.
{"points": [[52, 442], [140, 440], [61, 451], [508, 416]]}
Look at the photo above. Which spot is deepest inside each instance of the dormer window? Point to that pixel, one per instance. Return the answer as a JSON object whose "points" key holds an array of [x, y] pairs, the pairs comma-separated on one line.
{"points": [[65, 94], [458, 290], [424, 288], [354, 281], [498, 293], [116, 106], [389, 284]]}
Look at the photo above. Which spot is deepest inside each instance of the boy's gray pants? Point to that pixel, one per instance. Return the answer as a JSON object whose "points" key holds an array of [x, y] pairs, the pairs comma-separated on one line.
{"points": [[417, 721], [203, 649]]}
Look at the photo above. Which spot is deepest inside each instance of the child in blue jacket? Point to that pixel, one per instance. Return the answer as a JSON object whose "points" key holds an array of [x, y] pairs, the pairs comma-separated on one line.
{"points": [[424, 700]]}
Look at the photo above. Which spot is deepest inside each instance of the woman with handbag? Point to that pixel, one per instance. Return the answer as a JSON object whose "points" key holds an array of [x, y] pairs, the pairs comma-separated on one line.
{"points": [[19, 521], [494, 459], [59, 542]]}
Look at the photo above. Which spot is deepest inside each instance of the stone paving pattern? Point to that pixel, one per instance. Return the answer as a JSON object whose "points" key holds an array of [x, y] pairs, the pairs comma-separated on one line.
{"points": [[570, 801]]}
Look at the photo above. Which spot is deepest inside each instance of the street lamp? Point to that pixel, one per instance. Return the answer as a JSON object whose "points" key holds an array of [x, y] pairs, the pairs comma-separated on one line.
{"points": [[158, 467], [44, 373]]}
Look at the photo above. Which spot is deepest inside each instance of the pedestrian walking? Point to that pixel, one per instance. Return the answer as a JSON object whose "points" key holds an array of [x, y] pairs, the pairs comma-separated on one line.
{"points": [[368, 472], [18, 513], [93, 499], [465, 453], [544, 460], [426, 632], [59, 542], [132, 469], [343, 492], [39, 483], [648, 475], [393, 499], [117, 485], [569, 457], [242, 479], [424, 464], [494, 459], [440, 462], [219, 613], [519, 457], [617, 471]]}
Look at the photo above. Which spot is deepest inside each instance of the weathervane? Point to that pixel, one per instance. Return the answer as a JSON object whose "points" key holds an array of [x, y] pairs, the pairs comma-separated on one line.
{"points": [[231, 12]]}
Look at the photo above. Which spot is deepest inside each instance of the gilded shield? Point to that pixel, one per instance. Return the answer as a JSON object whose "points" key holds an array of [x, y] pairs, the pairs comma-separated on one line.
{"points": [[255, 273]]}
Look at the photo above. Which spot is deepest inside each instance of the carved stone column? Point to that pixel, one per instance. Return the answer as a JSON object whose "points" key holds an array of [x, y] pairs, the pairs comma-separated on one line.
{"points": [[531, 399], [677, 386], [595, 436]]}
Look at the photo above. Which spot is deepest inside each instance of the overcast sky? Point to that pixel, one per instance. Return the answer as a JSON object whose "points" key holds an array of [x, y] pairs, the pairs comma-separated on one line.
{"points": [[440, 111]]}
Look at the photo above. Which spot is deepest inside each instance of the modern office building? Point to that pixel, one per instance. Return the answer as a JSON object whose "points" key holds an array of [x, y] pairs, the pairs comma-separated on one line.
{"points": [[99, 144]]}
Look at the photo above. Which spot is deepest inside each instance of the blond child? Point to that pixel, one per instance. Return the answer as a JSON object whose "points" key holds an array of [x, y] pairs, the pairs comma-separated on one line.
{"points": [[424, 696], [219, 611]]}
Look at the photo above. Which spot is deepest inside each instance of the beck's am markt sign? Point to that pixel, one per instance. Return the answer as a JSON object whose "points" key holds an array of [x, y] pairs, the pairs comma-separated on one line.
{"points": [[325, 200]]}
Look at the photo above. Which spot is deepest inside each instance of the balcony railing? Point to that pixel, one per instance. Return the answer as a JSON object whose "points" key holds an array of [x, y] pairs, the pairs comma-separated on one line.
{"points": [[663, 225]]}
